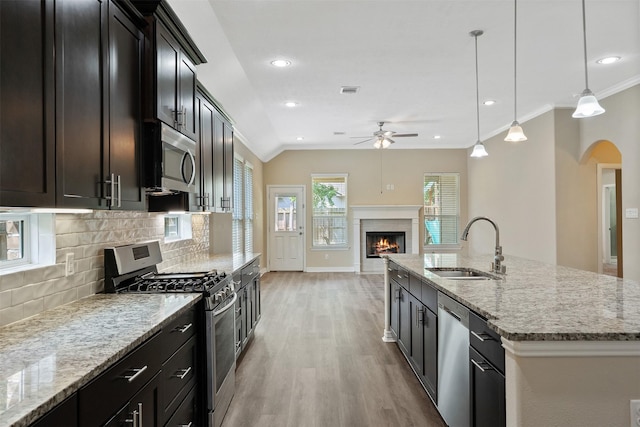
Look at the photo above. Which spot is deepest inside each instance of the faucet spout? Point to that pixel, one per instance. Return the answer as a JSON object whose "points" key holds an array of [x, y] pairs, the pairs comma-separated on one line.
{"points": [[496, 265]]}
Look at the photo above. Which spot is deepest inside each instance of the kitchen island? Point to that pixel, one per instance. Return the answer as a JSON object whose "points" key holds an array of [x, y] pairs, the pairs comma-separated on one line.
{"points": [[571, 338]]}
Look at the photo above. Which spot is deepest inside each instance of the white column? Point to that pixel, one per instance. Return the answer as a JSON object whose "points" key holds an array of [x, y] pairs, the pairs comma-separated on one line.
{"points": [[388, 335], [356, 246]]}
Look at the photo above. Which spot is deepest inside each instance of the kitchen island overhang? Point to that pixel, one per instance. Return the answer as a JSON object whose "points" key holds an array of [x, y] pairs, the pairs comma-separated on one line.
{"points": [[571, 337]]}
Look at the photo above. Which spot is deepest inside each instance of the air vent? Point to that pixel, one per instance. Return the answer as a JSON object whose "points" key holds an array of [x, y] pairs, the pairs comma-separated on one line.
{"points": [[339, 133], [349, 90]]}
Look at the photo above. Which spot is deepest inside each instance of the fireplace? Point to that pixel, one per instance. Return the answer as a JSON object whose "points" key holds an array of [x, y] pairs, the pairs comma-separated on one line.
{"points": [[384, 242]]}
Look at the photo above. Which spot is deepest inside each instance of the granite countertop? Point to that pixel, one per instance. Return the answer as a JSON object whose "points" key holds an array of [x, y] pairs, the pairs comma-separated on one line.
{"points": [[227, 263], [46, 358], [535, 301]]}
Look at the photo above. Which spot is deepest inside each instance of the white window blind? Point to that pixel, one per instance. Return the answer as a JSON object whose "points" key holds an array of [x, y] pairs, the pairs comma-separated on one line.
{"points": [[329, 199], [238, 207], [248, 208], [441, 208]]}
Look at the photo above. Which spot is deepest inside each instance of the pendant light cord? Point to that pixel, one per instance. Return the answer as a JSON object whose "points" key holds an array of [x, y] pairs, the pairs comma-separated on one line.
{"points": [[475, 36], [515, 51], [584, 39]]}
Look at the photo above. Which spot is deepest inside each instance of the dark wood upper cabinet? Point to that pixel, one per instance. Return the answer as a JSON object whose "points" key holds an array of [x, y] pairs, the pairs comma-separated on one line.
{"points": [[126, 50], [27, 104], [170, 91], [80, 102], [99, 106]]}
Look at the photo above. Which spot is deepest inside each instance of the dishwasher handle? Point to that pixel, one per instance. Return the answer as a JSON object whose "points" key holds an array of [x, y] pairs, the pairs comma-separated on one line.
{"points": [[455, 316]]}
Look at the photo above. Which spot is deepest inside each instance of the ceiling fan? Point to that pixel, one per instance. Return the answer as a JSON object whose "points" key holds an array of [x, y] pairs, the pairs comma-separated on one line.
{"points": [[382, 137]]}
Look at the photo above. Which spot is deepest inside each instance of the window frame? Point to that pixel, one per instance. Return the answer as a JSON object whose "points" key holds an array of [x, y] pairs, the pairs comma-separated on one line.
{"points": [[441, 246], [184, 225], [336, 246], [26, 235]]}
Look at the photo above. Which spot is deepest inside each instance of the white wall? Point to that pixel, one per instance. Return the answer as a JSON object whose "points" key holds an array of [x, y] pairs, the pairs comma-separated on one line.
{"points": [[620, 124], [515, 186]]}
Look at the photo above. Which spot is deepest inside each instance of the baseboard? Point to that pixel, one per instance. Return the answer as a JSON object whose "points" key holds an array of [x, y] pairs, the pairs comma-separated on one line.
{"points": [[330, 270]]}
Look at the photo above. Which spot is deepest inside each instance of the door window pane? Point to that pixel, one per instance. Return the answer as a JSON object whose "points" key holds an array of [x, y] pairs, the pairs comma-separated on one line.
{"points": [[286, 213]]}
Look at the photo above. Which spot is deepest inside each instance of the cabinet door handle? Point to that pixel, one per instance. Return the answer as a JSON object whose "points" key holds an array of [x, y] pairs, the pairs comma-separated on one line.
{"points": [[184, 328], [184, 373], [397, 294], [112, 192], [138, 372], [186, 425], [119, 184], [482, 366], [140, 414], [482, 336], [133, 420]]}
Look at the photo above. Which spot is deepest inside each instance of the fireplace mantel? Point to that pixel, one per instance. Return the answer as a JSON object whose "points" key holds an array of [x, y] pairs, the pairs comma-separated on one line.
{"points": [[361, 212]]}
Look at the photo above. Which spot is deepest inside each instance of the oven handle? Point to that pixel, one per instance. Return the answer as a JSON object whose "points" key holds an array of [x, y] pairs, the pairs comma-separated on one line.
{"points": [[226, 307]]}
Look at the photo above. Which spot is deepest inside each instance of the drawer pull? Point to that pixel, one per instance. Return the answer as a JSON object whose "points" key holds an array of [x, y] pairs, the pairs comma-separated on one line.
{"points": [[184, 373], [138, 372], [133, 420], [186, 425], [482, 366], [482, 336], [184, 328]]}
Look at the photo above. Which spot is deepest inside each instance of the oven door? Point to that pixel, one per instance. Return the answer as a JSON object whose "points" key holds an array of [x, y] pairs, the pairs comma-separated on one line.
{"points": [[221, 360]]}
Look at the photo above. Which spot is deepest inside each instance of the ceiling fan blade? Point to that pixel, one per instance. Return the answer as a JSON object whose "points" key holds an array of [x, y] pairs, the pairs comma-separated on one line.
{"points": [[360, 137], [362, 142], [402, 135]]}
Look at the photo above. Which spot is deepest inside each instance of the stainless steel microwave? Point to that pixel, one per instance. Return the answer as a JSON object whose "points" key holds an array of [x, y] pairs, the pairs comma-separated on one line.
{"points": [[170, 160]]}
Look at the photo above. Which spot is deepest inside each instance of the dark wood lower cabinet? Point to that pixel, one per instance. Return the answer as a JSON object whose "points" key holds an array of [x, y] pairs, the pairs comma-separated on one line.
{"points": [[394, 296], [142, 410], [63, 415], [424, 345], [487, 392], [404, 313]]}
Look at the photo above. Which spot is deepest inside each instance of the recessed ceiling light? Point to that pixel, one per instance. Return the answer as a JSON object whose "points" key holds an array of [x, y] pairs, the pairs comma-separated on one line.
{"points": [[280, 63], [608, 60], [436, 137], [489, 102], [300, 138], [291, 104]]}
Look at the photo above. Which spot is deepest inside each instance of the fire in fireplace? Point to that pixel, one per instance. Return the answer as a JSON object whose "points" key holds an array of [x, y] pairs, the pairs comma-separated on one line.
{"points": [[384, 242]]}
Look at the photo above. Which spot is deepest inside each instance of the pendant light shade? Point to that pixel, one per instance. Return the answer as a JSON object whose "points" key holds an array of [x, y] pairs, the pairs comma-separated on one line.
{"points": [[515, 134], [587, 104], [478, 148]]}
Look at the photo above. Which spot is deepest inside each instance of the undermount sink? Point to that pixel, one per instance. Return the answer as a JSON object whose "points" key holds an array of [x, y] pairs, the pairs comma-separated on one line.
{"points": [[461, 273]]}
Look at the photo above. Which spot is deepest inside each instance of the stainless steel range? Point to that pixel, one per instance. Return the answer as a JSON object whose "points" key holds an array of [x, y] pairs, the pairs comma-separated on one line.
{"points": [[133, 269]]}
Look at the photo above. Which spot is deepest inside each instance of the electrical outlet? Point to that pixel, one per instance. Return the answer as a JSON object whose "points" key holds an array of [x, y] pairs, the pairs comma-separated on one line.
{"points": [[635, 413], [69, 264], [326, 256]]}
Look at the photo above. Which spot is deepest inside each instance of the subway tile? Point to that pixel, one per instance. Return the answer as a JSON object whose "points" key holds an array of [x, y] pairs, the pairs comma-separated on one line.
{"points": [[53, 301], [12, 281], [11, 314], [23, 294], [5, 299], [33, 307], [85, 290], [35, 275]]}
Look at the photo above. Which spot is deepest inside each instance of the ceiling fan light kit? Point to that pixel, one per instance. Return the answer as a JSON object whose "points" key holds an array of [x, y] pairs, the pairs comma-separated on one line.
{"points": [[588, 105], [382, 137]]}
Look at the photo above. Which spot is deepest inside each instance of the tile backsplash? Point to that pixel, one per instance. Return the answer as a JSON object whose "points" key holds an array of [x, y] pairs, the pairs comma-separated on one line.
{"points": [[26, 293]]}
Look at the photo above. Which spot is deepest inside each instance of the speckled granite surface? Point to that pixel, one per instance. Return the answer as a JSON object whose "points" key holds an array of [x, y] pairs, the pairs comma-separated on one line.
{"points": [[536, 301], [47, 357], [227, 263]]}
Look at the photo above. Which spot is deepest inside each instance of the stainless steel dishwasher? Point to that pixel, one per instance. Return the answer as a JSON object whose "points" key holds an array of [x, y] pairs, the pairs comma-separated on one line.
{"points": [[453, 362]]}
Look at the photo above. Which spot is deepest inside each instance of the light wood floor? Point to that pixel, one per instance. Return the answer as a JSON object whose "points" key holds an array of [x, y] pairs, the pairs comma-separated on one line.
{"points": [[317, 359]]}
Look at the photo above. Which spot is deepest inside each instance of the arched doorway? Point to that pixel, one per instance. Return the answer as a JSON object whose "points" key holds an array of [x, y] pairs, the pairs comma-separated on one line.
{"points": [[609, 206]]}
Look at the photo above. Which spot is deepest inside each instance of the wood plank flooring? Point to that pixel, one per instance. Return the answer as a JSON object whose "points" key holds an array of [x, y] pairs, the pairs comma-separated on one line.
{"points": [[317, 359]]}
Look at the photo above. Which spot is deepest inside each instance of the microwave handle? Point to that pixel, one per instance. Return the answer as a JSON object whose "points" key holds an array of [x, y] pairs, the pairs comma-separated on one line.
{"points": [[189, 180]]}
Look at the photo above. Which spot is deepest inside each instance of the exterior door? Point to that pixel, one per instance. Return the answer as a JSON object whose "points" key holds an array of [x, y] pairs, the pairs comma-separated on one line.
{"points": [[286, 228]]}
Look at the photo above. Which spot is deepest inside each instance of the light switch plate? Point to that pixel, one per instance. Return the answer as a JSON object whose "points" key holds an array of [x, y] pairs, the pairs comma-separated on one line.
{"points": [[631, 213]]}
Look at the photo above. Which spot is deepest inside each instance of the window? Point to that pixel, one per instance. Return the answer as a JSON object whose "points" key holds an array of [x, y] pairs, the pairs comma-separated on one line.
{"points": [[242, 227], [14, 242], [177, 227], [329, 198], [27, 240], [441, 208]]}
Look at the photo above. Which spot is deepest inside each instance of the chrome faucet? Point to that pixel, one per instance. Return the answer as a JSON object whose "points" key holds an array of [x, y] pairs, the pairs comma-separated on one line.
{"points": [[496, 265]]}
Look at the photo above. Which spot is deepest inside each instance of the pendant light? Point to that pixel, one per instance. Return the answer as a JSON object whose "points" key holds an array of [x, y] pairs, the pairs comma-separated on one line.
{"points": [[588, 104], [478, 148], [515, 131]]}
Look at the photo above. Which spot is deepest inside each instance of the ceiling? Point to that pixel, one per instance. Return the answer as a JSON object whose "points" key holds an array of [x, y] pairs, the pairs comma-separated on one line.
{"points": [[413, 61]]}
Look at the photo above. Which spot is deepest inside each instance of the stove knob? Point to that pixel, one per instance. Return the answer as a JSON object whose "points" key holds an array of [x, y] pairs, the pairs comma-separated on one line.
{"points": [[219, 297]]}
